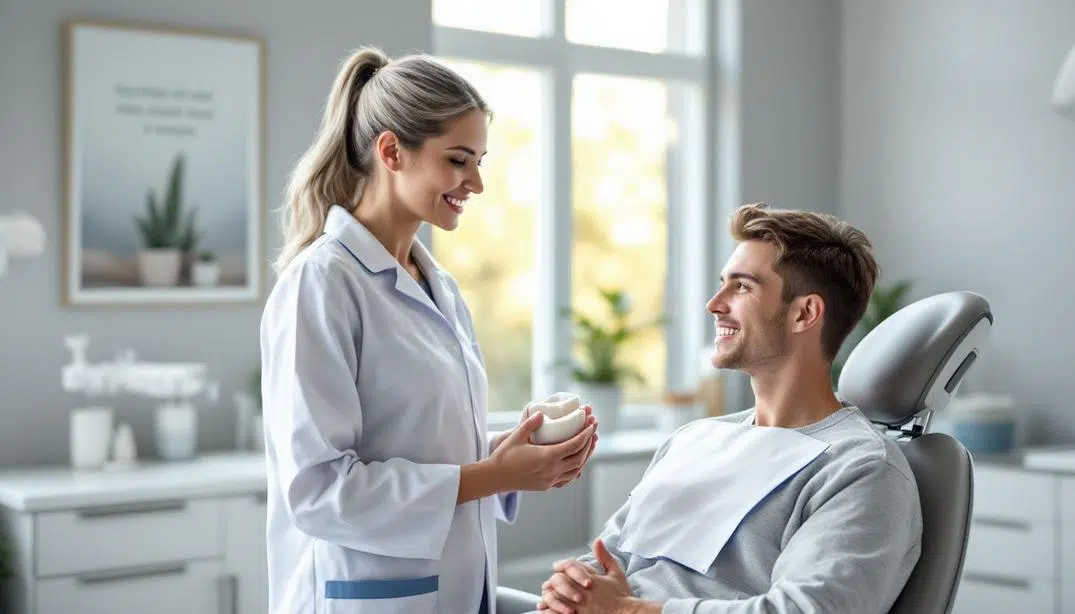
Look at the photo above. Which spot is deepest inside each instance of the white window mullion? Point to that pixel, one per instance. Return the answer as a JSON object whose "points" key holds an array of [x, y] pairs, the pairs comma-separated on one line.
{"points": [[552, 331], [692, 222], [494, 48], [626, 63]]}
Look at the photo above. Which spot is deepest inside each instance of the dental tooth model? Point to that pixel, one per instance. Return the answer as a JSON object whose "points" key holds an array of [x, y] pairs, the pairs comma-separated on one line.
{"points": [[564, 417]]}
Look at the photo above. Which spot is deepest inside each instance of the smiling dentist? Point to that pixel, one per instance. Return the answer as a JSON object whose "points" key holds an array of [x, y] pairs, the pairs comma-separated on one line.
{"points": [[383, 485]]}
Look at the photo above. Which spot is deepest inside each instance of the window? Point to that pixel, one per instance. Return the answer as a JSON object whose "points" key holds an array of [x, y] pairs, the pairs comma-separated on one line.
{"points": [[653, 26], [491, 253], [620, 140], [517, 17], [595, 179]]}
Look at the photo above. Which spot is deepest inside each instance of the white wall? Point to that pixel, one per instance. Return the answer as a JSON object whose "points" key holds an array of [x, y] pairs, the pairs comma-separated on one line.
{"points": [[953, 162], [778, 80], [304, 42]]}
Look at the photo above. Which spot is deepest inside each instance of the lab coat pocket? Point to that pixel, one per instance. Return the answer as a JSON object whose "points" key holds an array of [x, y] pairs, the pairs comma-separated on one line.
{"points": [[394, 596], [689, 505]]}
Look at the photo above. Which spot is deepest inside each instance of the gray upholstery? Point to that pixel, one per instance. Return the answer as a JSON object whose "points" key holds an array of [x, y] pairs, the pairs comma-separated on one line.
{"points": [[943, 470], [914, 360], [901, 372]]}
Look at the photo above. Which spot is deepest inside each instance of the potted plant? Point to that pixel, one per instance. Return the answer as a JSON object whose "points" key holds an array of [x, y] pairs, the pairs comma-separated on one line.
{"points": [[206, 271], [885, 301], [164, 229], [598, 374]]}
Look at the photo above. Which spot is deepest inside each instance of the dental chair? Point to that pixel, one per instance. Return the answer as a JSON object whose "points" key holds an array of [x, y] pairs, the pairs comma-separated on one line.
{"points": [[899, 375]]}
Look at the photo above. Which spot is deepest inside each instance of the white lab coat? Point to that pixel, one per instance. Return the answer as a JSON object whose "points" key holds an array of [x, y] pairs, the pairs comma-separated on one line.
{"points": [[374, 397]]}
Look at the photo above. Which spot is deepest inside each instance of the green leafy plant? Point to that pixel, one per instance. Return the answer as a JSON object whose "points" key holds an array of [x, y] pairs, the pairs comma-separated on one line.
{"points": [[207, 256], [601, 345], [165, 225], [885, 301]]}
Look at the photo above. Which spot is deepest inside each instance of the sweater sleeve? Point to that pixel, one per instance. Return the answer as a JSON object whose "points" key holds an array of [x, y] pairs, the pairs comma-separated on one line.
{"points": [[852, 555]]}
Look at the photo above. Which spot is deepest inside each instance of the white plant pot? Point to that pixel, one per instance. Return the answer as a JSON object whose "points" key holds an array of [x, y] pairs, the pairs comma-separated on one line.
{"points": [[606, 401], [159, 267], [205, 273]]}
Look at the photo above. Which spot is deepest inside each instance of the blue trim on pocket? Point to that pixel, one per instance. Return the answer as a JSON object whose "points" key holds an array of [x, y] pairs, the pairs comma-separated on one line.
{"points": [[381, 589]]}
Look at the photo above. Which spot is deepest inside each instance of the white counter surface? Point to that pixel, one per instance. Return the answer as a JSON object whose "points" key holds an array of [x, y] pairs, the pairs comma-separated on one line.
{"points": [[60, 488]]}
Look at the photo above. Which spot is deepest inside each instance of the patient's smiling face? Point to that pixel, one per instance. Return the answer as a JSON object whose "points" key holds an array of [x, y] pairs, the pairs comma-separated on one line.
{"points": [[750, 315]]}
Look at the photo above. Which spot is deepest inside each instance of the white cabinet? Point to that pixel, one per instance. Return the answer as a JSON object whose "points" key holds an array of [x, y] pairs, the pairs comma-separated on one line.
{"points": [[1021, 549], [167, 588], [168, 538], [1066, 544], [245, 557]]}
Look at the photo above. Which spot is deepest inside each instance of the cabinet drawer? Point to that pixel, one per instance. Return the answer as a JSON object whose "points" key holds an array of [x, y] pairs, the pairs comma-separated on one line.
{"points": [[162, 589], [985, 595], [1018, 552], [1014, 495], [101, 538]]}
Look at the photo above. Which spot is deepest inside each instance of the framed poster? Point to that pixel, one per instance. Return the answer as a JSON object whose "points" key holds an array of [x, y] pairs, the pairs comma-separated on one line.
{"points": [[164, 164]]}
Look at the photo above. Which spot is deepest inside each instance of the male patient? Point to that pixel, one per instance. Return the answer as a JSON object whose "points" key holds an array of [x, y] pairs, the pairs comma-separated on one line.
{"points": [[795, 506]]}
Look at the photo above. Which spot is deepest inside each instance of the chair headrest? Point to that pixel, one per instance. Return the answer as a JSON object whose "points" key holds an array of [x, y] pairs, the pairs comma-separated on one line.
{"points": [[916, 358]]}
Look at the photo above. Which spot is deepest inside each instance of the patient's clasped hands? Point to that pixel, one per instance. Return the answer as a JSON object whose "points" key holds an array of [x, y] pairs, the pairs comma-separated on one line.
{"points": [[576, 588]]}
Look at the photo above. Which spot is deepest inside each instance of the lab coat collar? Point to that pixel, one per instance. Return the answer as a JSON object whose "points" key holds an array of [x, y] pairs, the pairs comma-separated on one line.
{"points": [[365, 247], [375, 257]]}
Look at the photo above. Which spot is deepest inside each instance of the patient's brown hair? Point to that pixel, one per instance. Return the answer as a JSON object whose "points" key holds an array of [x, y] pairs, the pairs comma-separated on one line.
{"points": [[816, 254]]}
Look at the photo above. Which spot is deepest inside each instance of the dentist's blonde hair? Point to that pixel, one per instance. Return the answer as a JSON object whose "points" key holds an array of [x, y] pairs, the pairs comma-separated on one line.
{"points": [[415, 97]]}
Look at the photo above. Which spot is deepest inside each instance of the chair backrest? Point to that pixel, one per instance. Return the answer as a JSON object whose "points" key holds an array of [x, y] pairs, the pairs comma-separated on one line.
{"points": [[902, 372], [945, 476]]}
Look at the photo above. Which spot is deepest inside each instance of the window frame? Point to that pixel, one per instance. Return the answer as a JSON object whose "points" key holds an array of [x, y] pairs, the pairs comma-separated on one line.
{"points": [[693, 243]]}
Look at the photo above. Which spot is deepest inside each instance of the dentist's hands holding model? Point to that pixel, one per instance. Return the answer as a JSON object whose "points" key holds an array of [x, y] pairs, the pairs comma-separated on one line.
{"points": [[549, 447]]}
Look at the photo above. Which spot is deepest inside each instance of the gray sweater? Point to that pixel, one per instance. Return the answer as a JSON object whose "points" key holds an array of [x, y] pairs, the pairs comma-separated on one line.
{"points": [[840, 536]]}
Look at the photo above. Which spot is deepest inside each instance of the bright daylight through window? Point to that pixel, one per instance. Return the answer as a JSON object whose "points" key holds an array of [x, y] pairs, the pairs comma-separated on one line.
{"points": [[590, 175]]}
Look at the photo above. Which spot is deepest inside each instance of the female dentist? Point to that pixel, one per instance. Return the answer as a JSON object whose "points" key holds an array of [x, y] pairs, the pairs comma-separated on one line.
{"points": [[383, 486]]}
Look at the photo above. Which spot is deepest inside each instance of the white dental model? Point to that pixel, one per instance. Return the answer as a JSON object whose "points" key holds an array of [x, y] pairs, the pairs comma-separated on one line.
{"points": [[564, 418]]}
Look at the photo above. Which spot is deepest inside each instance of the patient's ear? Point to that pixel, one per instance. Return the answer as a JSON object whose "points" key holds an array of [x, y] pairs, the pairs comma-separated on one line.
{"points": [[806, 312]]}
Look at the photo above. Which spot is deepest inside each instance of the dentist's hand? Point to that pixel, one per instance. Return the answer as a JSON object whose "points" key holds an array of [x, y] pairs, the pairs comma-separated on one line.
{"points": [[591, 420], [522, 465]]}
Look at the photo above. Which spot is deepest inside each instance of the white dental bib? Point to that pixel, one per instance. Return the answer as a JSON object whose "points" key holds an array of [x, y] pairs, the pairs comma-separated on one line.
{"points": [[714, 473]]}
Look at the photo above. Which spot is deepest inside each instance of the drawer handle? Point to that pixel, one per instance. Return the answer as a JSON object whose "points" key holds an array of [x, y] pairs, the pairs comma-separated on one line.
{"points": [[1002, 524], [1007, 582], [145, 571], [126, 509]]}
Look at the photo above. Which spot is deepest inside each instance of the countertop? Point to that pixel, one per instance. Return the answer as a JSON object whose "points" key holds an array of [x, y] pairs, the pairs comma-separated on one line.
{"points": [[39, 489], [58, 488]]}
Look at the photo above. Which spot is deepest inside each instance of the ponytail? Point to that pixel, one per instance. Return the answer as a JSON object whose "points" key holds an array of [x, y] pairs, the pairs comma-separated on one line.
{"points": [[333, 170], [415, 97]]}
